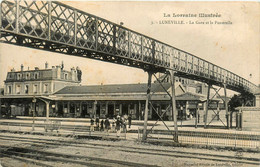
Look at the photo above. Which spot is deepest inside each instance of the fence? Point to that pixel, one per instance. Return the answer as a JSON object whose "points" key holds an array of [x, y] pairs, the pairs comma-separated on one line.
{"points": [[57, 128], [227, 139]]}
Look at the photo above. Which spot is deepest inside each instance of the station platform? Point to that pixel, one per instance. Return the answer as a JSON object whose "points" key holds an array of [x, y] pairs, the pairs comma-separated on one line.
{"points": [[214, 135], [184, 125]]}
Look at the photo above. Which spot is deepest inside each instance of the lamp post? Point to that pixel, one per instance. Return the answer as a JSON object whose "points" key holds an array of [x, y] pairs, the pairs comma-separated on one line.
{"points": [[33, 109], [197, 120]]}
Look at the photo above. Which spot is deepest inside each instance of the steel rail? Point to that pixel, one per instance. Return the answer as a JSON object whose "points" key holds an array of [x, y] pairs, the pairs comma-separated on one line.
{"points": [[150, 151]]}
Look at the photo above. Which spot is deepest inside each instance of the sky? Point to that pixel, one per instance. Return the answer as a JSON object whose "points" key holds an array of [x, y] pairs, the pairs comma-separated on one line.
{"points": [[232, 46]]}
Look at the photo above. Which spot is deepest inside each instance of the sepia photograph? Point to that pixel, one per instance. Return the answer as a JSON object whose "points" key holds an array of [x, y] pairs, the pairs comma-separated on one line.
{"points": [[129, 83]]}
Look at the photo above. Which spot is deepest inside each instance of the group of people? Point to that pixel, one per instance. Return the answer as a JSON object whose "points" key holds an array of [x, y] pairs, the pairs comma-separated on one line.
{"points": [[116, 125]]}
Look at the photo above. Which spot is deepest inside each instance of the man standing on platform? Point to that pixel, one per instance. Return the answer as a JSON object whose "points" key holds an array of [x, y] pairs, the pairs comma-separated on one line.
{"points": [[92, 125], [129, 120], [118, 126], [107, 125]]}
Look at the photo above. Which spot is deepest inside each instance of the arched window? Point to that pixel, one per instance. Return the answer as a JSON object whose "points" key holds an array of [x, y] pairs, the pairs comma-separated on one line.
{"points": [[27, 76], [9, 89], [19, 76], [45, 88], [35, 88], [36, 76], [26, 89], [65, 76], [18, 89]]}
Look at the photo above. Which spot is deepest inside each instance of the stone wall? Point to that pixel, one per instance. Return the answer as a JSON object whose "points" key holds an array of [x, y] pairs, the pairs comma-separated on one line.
{"points": [[257, 101], [250, 118]]}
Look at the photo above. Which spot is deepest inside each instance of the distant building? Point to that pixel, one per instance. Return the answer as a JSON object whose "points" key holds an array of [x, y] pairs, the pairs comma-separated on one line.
{"points": [[22, 85], [39, 81]]}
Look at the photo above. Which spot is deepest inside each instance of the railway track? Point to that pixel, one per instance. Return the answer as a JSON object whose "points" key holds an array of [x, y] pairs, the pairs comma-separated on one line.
{"points": [[61, 157], [37, 143]]}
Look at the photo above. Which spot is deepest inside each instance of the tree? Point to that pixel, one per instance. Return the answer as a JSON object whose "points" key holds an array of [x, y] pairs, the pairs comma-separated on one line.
{"points": [[238, 100], [234, 102]]}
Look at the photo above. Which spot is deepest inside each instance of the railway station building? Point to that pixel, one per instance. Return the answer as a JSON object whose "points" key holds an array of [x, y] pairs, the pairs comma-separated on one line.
{"points": [[55, 92]]}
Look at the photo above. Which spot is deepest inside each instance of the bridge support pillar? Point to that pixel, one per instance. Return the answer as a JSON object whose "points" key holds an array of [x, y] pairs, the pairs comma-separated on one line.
{"points": [[33, 111], [226, 106], [47, 110], [148, 97], [207, 106], [174, 109], [94, 109]]}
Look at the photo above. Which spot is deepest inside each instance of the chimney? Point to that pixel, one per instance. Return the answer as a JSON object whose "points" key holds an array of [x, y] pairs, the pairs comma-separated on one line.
{"points": [[12, 70], [46, 65], [21, 67], [62, 65], [73, 73], [58, 71]]}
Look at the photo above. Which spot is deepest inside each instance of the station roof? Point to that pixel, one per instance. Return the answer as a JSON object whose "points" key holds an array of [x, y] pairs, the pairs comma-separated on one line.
{"points": [[191, 96], [118, 88], [118, 92]]}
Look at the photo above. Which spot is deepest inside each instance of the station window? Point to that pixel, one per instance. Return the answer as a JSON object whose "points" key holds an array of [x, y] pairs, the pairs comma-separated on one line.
{"points": [[9, 76], [36, 76], [45, 88], [28, 76], [9, 89], [199, 89], [18, 89], [65, 76], [35, 88], [26, 89], [18, 76]]}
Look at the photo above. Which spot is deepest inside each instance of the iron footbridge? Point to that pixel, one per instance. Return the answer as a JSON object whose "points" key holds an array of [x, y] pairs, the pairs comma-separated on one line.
{"points": [[56, 27]]}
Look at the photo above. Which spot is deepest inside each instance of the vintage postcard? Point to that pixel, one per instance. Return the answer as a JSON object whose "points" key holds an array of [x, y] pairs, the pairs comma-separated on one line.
{"points": [[129, 83]]}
